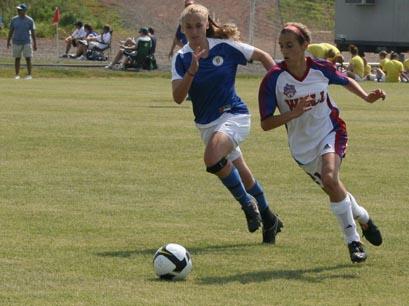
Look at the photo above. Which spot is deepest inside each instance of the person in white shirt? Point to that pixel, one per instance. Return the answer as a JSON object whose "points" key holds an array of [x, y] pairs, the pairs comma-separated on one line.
{"points": [[97, 41], [317, 136], [72, 40]]}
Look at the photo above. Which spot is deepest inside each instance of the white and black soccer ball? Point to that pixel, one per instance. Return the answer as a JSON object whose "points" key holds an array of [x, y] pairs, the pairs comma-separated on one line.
{"points": [[172, 262]]}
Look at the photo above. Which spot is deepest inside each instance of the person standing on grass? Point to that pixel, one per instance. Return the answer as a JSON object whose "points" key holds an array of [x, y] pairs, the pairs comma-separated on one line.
{"points": [[179, 39], [317, 136], [22, 27], [205, 68]]}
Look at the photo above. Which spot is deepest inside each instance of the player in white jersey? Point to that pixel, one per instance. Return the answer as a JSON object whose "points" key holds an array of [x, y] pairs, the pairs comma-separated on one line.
{"points": [[317, 136], [205, 68]]}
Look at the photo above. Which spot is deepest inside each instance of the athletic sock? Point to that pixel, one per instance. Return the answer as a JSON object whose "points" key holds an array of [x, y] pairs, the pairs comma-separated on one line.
{"points": [[343, 212], [258, 193], [359, 212], [235, 185]]}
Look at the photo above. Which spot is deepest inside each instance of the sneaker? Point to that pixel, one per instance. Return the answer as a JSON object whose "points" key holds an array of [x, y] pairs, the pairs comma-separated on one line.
{"points": [[371, 233], [252, 215], [17, 77], [72, 56], [271, 226], [110, 66], [81, 58], [29, 77], [356, 251], [64, 56]]}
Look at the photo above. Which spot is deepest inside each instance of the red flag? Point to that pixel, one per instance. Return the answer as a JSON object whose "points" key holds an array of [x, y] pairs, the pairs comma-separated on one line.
{"points": [[57, 16]]}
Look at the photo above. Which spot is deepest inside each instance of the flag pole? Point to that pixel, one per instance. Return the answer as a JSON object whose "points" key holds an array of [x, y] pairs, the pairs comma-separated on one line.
{"points": [[58, 49]]}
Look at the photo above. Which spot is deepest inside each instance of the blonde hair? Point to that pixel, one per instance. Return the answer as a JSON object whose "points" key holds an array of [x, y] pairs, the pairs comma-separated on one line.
{"points": [[225, 31]]}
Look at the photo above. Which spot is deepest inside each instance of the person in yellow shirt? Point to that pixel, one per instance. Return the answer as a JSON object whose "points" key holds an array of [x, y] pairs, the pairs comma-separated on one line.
{"points": [[325, 51], [380, 72], [383, 59], [394, 69], [356, 65], [406, 68], [368, 75]]}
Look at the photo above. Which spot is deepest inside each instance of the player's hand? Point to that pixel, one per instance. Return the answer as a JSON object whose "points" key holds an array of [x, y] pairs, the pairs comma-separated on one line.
{"points": [[303, 105], [375, 95], [196, 55]]}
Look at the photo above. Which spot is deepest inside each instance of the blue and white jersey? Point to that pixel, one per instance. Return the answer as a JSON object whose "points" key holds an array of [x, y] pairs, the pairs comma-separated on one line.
{"points": [[279, 89], [213, 91]]}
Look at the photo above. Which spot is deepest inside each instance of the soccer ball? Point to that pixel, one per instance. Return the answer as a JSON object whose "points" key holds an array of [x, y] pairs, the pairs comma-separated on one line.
{"points": [[172, 262]]}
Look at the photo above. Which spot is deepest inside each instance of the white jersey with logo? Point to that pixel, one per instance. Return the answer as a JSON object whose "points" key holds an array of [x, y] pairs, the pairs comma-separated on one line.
{"points": [[213, 88], [282, 90]]}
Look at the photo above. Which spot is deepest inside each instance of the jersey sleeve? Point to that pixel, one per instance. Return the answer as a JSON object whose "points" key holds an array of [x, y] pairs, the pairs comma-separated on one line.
{"points": [[331, 73], [244, 51], [178, 70], [267, 97]]}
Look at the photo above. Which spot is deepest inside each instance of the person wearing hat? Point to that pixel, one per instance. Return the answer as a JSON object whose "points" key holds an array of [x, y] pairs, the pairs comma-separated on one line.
{"points": [[72, 40], [22, 30], [130, 47]]}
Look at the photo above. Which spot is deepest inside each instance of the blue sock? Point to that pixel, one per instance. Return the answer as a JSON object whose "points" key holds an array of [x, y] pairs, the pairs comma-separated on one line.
{"points": [[257, 192], [235, 185]]}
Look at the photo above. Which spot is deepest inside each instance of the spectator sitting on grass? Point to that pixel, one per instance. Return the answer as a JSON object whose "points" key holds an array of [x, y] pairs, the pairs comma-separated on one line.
{"points": [[100, 41], [89, 33], [394, 69], [129, 48], [380, 72], [72, 40], [356, 66]]}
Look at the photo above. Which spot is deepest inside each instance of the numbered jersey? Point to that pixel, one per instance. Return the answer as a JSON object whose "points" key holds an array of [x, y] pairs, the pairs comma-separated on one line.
{"points": [[213, 88], [282, 90]]}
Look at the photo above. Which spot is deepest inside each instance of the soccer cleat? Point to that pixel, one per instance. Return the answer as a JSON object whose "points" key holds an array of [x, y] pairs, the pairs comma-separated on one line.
{"points": [[17, 77], [252, 215], [271, 226], [371, 233], [356, 251]]}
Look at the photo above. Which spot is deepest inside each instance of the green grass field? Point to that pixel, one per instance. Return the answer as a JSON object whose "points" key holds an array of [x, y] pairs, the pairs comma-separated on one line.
{"points": [[96, 174]]}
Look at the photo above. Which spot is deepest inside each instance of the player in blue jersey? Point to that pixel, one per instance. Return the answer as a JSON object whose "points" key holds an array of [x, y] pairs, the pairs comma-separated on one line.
{"points": [[317, 136], [179, 39], [205, 68]]}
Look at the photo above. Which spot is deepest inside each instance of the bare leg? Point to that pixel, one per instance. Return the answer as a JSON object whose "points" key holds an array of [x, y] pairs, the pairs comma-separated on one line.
{"points": [[17, 65], [29, 65]]}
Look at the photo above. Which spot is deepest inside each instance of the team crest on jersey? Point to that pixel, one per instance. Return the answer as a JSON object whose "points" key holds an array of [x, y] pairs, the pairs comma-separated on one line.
{"points": [[218, 60], [289, 90]]}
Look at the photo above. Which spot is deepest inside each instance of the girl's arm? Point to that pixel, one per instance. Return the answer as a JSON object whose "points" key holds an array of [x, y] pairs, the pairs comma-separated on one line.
{"points": [[264, 58], [370, 97], [181, 87]]}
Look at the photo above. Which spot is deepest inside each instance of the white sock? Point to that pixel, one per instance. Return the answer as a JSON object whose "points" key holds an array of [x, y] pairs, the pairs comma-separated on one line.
{"points": [[358, 212], [343, 211]]}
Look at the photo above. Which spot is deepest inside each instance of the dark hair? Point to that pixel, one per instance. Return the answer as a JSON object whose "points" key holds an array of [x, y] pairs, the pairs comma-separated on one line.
{"points": [[106, 28], [151, 30], [353, 49], [78, 24], [394, 55], [88, 28], [299, 29], [383, 53]]}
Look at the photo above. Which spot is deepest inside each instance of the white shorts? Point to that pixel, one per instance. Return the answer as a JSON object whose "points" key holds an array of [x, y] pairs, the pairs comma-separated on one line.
{"points": [[95, 44], [25, 50], [332, 143], [235, 126]]}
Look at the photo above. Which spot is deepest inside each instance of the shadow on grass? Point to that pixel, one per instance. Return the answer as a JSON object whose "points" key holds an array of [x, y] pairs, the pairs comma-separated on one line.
{"points": [[193, 250], [313, 275]]}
